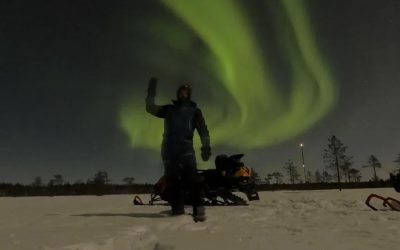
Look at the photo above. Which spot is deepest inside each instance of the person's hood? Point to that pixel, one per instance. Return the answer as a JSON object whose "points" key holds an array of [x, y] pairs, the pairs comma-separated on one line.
{"points": [[184, 86]]}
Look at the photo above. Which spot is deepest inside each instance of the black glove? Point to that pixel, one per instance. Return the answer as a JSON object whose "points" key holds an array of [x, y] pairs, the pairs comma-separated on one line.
{"points": [[205, 153], [151, 89]]}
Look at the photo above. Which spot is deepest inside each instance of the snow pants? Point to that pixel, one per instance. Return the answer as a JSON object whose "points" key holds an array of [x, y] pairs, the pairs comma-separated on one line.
{"points": [[184, 183]]}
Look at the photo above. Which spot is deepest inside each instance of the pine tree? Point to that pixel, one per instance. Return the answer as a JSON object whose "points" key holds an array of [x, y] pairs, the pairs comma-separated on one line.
{"points": [[398, 162], [100, 178], [336, 159], [58, 180], [99, 182], [291, 170], [309, 177], [256, 177], [355, 175], [268, 179], [128, 180], [278, 177], [326, 177], [373, 163], [318, 177], [37, 182]]}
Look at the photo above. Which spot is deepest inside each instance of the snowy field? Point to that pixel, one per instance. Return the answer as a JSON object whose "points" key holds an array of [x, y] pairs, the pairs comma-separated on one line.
{"points": [[281, 220]]}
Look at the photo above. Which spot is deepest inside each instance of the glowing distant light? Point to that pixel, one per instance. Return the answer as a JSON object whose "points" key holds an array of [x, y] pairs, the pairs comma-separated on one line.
{"points": [[301, 145]]}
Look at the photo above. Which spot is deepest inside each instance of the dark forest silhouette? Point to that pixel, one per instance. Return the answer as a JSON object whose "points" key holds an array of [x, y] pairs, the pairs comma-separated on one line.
{"points": [[338, 173]]}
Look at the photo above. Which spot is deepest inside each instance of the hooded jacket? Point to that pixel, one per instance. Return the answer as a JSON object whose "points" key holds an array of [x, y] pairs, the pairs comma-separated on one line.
{"points": [[181, 118]]}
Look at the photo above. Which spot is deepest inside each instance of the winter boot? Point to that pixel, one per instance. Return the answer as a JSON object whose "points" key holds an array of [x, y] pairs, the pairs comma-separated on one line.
{"points": [[199, 214], [177, 208]]}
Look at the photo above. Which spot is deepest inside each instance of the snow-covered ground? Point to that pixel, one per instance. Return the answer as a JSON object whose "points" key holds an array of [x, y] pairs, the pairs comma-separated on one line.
{"points": [[280, 220]]}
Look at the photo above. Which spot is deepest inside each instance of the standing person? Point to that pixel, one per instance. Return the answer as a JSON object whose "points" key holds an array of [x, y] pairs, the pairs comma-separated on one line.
{"points": [[181, 118]]}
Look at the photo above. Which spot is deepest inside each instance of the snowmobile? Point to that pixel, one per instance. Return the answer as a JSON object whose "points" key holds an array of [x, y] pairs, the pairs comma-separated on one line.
{"points": [[230, 175]]}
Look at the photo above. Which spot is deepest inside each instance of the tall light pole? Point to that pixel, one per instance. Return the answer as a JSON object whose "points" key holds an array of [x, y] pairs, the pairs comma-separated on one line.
{"points": [[302, 157]]}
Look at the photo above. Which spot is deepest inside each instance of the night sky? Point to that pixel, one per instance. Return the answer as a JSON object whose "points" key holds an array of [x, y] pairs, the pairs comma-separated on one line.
{"points": [[73, 78]]}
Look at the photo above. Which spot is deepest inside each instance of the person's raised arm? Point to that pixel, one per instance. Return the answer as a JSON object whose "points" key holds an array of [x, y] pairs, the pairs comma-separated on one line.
{"points": [[204, 135], [151, 107]]}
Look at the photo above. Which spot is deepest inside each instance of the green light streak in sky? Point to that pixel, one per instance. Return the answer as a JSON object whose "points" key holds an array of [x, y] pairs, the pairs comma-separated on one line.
{"points": [[256, 114]]}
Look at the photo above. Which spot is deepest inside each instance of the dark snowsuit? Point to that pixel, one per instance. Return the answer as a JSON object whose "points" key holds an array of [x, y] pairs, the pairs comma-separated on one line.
{"points": [[180, 120]]}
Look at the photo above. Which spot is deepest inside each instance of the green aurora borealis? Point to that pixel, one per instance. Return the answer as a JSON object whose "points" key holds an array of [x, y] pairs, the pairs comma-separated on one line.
{"points": [[254, 112]]}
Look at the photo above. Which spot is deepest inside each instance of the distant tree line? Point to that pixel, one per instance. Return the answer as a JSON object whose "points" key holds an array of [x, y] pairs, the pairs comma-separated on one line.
{"points": [[100, 184], [339, 171], [322, 185]]}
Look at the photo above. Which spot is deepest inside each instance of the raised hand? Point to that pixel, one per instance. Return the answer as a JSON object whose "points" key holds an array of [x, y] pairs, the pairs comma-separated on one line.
{"points": [[151, 89]]}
